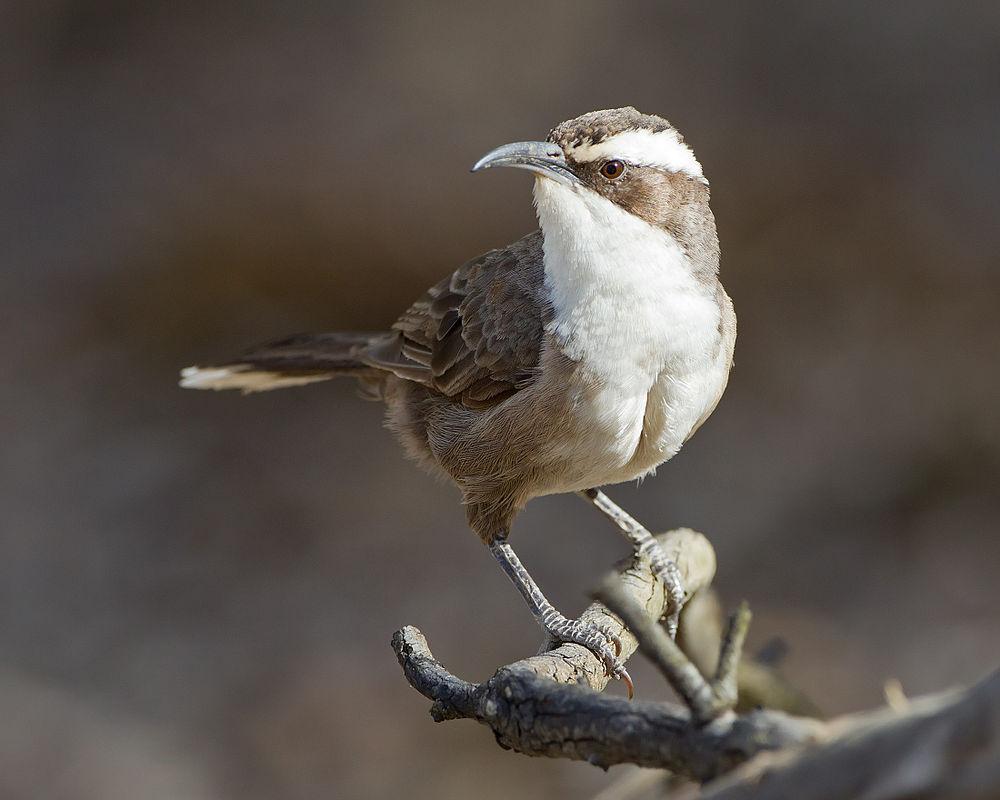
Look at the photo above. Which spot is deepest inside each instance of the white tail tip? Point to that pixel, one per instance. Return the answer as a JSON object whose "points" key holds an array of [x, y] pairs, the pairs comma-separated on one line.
{"points": [[243, 377]]}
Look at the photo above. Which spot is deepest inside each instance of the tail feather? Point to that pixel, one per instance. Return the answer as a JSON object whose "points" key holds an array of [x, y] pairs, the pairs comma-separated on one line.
{"points": [[293, 361]]}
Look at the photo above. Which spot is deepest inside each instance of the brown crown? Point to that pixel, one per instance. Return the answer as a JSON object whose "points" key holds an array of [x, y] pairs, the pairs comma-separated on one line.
{"points": [[596, 126]]}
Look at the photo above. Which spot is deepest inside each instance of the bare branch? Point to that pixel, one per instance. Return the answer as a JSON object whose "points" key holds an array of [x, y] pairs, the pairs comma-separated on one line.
{"points": [[758, 684], [453, 698], [707, 700], [729, 656], [530, 708], [540, 717], [657, 645], [946, 746]]}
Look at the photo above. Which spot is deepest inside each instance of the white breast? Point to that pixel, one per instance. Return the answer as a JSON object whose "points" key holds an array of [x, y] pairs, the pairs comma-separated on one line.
{"points": [[627, 308]]}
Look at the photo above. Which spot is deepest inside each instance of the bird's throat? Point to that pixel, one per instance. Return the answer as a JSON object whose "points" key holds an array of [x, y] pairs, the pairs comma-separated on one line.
{"points": [[625, 299]]}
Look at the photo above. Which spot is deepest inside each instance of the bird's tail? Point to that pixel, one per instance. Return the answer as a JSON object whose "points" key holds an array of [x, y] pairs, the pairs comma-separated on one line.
{"points": [[294, 361]]}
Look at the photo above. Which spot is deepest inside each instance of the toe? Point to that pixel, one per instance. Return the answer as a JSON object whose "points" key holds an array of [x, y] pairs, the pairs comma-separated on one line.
{"points": [[613, 664], [611, 636], [601, 640], [605, 645]]}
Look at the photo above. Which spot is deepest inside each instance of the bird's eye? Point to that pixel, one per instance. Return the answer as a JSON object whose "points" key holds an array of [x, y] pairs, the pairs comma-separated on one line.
{"points": [[613, 170]]}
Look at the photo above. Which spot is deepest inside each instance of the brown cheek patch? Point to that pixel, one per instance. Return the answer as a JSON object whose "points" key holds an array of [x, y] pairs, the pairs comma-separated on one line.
{"points": [[659, 197], [667, 200], [648, 193]]}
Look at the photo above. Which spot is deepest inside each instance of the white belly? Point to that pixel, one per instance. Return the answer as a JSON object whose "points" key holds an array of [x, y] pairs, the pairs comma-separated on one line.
{"points": [[677, 404], [620, 434]]}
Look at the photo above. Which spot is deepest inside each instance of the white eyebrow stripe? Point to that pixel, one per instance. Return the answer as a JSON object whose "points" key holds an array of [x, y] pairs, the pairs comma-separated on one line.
{"points": [[663, 149]]}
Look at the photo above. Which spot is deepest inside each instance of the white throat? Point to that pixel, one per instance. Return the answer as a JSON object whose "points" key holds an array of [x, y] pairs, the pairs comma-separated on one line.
{"points": [[626, 303]]}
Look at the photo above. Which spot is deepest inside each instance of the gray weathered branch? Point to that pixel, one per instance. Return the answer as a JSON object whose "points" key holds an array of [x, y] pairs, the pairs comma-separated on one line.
{"points": [[540, 717], [535, 706], [945, 747]]}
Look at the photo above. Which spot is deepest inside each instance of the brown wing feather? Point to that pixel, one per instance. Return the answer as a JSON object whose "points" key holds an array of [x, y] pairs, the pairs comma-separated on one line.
{"points": [[476, 335]]}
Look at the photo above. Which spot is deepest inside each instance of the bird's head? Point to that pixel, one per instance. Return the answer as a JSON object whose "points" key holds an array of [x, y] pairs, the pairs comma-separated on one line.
{"points": [[617, 159]]}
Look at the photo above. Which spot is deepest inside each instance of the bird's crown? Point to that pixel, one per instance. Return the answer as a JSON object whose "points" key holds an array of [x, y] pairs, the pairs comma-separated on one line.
{"points": [[639, 139], [596, 126]]}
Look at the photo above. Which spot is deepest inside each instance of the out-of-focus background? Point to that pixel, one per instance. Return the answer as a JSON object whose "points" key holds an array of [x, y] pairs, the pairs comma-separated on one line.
{"points": [[197, 591]]}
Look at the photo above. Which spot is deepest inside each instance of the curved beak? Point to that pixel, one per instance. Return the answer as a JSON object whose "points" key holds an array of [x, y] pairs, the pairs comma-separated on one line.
{"points": [[543, 158]]}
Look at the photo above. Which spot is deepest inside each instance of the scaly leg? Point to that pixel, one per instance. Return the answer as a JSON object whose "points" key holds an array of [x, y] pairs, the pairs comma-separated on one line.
{"points": [[646, 546], [605, 644]]}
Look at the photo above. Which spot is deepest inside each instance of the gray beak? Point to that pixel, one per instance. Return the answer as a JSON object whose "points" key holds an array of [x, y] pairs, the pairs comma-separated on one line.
{"points": [[544, 158]]}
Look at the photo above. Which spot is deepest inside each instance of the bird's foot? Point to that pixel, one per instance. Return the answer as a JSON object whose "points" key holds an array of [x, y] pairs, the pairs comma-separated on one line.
{"points": [[667, 571], [600, 640]]}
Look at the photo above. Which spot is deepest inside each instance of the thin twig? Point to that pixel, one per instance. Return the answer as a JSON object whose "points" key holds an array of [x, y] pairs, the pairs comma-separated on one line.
{"points": [[657, 645], [759, 684], [724, 685]]}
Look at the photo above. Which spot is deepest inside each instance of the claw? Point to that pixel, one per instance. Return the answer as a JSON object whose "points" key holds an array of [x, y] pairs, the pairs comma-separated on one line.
{"points": [[667, 572], [625, 678]]}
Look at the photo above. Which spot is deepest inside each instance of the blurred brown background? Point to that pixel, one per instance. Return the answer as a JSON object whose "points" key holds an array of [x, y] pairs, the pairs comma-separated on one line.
{"points": [[198, 590]]}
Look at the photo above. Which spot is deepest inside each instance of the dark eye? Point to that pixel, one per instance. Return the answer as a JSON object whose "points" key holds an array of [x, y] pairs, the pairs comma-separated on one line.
{"points": [[613, 170]]}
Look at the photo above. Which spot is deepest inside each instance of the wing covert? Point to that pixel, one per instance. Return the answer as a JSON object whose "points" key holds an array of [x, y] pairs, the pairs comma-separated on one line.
{"points": [[476, 335]]}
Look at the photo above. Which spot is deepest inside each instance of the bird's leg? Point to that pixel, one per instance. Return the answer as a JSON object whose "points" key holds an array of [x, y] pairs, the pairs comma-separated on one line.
{"points": [[646, 546], [604, 643]]}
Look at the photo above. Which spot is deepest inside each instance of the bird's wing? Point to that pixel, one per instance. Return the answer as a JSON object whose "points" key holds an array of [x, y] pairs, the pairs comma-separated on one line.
{"points": [[476, 335]]}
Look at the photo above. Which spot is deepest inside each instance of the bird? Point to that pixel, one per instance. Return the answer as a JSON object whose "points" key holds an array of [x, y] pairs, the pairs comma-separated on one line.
{"points": [[582, 355]]}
